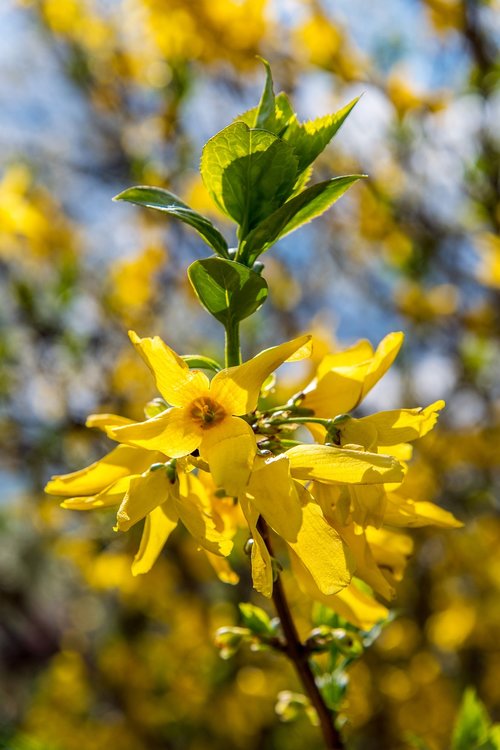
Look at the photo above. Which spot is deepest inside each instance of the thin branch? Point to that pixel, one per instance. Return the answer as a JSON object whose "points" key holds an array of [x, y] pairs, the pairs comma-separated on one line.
{"points": [[298, 654]]}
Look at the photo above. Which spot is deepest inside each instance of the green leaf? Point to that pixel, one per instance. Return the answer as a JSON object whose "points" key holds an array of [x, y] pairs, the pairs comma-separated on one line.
{"points": [[416, 742], [255, 619], [294, 213], [163, 200], [473, 729], [227, 289], [199, 362], [248, 172], [283, 114], [265, 116], [310, 138]]}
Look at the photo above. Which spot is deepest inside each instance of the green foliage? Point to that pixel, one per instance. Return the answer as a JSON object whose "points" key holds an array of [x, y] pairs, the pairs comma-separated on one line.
{"points": [[309, 139], [228, 290], [163, 200], [474, 729], [248, 172], [266, 111], [295, 213], [256, 619]]}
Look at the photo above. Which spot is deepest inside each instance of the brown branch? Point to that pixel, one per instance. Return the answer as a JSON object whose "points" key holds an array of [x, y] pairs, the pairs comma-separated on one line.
{"points": [[298, 654]]}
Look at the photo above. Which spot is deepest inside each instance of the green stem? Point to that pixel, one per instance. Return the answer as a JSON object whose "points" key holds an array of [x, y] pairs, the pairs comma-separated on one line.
{"points": [[298, 655], [232, 348]]}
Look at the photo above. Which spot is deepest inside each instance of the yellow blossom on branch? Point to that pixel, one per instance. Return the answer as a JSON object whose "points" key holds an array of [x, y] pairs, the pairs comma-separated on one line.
{"points": [[204, 415]]}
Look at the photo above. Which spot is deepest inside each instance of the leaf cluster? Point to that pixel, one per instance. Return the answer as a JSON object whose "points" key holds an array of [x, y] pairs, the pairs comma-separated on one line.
{"points": [[256, 170]]}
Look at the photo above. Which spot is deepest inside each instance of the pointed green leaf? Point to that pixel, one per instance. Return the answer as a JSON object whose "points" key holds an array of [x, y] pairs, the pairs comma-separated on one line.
{"points": [[283, 114], [302, 181], [163, 200], [473, 729], [310, 138], [265, 117], [227, 289], [294, 213], [248, 172]]}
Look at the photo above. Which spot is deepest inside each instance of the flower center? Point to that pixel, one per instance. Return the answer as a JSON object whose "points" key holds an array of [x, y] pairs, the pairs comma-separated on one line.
{"points": [[206, 412]]}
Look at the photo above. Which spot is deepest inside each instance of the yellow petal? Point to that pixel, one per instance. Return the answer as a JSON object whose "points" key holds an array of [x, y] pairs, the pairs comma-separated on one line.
{"points": [[304, 352], [386, 353], [369, 503], [173, 433], [336, 392], [194, 508], [359, 607], [322, 551], [112, 495], [229, 447], [390, 550], [410, 513], [158, 526], [402, 451], [360, 352], [343, 379], [143, 495], [337, 465], [103, 421], [366, 567], [391, 427], [273, 493], [262, 567], [351, 603], [224, 571], [175, 381], [428, 513], [122, 461], [237, 388]]}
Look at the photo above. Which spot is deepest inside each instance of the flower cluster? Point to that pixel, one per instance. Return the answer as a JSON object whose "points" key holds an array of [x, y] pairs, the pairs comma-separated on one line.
{"points": [[214, 459]]}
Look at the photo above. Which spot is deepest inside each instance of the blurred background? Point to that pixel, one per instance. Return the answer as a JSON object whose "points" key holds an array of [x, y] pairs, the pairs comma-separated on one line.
{"points": [[98, 95]]}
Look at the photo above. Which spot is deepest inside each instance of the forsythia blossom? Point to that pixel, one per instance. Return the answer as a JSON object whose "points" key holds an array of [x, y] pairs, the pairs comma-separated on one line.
{"points": [[215, 460]]}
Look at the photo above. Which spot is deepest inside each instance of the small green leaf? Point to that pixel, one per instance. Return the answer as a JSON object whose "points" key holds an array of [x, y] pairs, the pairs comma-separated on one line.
{"points": [[229, 639], [163, 200], [294, 213], [473, 729], [199, 362], [248, 172], [255, 619], [227, 289], [310, 138], [265, 116]]}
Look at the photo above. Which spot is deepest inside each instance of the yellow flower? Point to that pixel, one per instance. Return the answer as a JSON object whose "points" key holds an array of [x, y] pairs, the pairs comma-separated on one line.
{"points": [[388, 430], [140, 482], [332, 465], [204, 415], [343, 379], [275, 492], [352, 603]]}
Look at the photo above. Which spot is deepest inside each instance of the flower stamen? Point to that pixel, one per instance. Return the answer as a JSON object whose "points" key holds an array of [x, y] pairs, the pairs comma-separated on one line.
{"points": [[206, 412]]}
